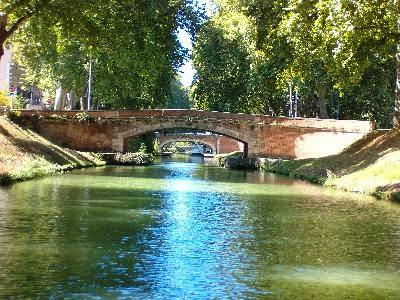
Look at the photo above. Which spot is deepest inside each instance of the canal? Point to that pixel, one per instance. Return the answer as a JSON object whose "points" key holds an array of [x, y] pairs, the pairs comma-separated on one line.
{"points": [[184, 229]]}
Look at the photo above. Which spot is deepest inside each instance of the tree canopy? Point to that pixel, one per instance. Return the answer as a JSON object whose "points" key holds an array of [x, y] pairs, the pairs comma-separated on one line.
{"points": [[132, 45], [336, 58], [330, 52]]}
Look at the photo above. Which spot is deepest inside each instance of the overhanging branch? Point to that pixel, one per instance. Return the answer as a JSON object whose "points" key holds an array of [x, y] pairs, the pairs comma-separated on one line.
{"points": [[17, 24]]}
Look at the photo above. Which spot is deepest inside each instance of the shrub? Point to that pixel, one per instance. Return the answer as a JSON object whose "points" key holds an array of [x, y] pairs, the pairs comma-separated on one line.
{"points": [[135, 144], [17, 101], [135, 159], [251, 163], [4, 99], [221, 157], [58, 117], [84, 117], [34, 167]]}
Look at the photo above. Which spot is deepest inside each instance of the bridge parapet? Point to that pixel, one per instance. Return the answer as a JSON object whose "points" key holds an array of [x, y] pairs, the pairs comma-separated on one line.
{"points": [[324, 124]]}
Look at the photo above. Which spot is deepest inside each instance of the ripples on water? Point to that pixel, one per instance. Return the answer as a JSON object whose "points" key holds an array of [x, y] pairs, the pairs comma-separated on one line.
{"points": [[190, 230]]}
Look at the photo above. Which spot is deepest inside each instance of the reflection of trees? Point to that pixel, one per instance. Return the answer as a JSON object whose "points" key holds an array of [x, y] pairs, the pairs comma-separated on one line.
{"points": [[208, 228], [58, 235]]}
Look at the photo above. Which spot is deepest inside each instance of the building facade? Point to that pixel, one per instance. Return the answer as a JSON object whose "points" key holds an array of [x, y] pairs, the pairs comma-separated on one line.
{"points": [[5, 63]]}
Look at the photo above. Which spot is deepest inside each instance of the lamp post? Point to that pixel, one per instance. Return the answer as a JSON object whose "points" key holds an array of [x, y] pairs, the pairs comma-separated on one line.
{"points": [[89, 98]]}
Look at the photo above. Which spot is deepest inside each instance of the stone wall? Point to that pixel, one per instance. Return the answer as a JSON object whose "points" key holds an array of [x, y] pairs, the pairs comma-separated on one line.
{"points": [[262, 136], [228, 145]]}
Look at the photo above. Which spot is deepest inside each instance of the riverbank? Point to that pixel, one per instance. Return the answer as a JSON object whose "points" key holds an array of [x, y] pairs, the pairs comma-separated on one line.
{"points": [[26, 155], [370, 166]]}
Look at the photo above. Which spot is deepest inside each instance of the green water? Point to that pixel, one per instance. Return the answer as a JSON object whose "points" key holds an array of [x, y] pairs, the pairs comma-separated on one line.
{"points": [[187, 230]]}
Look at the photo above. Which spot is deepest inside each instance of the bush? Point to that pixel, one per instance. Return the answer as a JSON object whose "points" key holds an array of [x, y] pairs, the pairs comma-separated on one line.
{"points": [[136, 143], [221, 157], [33, 167], [84, 117], [4, 99], [134, 159], [251, 163]]}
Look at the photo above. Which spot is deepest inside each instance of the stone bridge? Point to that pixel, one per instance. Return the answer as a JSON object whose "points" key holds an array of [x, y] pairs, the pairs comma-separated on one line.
{"points": [[218, 143], [261, 135]]}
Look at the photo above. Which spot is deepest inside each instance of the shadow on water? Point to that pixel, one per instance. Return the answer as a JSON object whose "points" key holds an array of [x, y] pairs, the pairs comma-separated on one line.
{"points": [[183, 230]]}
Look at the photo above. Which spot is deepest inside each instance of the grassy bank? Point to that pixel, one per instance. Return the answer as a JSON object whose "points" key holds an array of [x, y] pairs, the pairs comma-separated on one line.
{"points": [[370, 166], [25, 155]]}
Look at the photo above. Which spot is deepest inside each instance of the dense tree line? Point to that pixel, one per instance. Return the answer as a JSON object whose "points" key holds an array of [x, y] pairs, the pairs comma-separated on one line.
{"points": [[132, 45], [336, 58]]}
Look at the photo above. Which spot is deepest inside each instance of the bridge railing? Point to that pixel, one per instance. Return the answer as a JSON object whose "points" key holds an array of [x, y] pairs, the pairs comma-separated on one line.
{"points": [[324, 124]]}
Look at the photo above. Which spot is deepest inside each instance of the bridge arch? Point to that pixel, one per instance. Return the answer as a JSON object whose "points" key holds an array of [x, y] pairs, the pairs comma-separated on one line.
{"points": [[199, 141], [120, 141]]}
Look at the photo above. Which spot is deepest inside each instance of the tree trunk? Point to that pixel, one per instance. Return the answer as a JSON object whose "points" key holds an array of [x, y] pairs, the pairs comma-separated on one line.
{"points": [[83, 102], [59, 102], [74, 100], [3, 34], [396, 118], [83, 99], [322, 105], [1, 49]]}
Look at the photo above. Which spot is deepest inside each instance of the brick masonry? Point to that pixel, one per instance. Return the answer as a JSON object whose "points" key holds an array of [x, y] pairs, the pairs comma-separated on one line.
{"points": [[262, 136]]}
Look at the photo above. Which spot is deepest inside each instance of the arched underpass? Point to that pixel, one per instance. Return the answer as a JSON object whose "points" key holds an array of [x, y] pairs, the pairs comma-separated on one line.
{"points": [[218, 143]]}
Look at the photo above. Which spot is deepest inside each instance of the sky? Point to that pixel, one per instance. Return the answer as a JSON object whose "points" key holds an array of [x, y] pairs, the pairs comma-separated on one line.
{"points": [[187, 71]]}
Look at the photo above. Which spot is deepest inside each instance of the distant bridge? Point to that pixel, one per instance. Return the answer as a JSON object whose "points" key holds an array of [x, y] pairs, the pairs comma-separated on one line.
{"points": [[218, 143], [263, 136]]}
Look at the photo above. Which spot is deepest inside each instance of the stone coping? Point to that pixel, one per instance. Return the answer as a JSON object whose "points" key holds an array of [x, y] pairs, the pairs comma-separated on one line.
{"points": [[191, 115]]}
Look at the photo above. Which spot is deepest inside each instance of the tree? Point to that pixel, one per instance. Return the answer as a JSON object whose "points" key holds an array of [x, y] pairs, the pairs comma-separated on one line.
{"points": [[15, 13], [396, 119], [364, 33], [221, 59], [179, 97], [270, 57], [132, 44], [325, 49]]}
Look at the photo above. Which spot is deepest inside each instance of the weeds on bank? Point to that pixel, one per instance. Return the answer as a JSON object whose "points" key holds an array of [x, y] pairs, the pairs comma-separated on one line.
{"points": [[25, 155], [370, 166]]}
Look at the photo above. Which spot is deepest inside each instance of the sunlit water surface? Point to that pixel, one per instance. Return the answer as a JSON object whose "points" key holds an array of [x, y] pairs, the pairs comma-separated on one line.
{"points": [[194, 231]]}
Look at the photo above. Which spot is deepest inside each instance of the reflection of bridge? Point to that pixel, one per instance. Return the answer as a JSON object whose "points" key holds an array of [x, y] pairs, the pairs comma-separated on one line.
{"points": [[218, 143], [261, 135]]}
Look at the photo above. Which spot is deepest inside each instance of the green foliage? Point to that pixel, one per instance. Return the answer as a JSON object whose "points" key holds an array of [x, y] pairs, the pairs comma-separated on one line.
{"points": [[296, 169], [35, 167], [132, 44], [222, 64], [4, 99], [59, 117], [335, 54], [179, 98], [137, 159], [142, 148], [84, 117], [156, 147], [221, 157], [17, 101], [143, 144]]}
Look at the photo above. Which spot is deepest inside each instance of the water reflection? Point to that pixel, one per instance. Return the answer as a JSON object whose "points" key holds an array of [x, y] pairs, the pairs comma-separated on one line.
{"points": [[186, 230]]}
